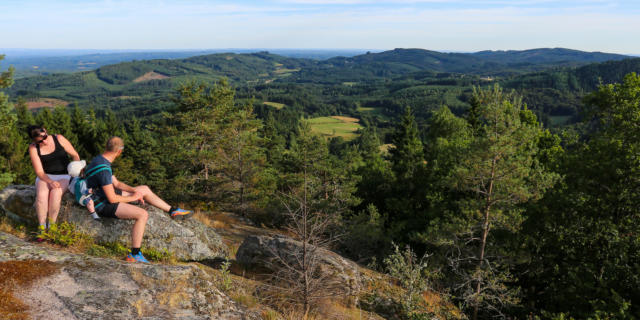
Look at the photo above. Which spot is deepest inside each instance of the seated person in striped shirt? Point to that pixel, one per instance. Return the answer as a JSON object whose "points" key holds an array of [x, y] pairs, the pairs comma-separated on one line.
{"points": [[111, 197]]}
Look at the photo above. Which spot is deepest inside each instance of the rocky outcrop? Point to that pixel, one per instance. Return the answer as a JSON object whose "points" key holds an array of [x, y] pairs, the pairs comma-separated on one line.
{"points": [[187, 240], [86, 287], [263, 253]]}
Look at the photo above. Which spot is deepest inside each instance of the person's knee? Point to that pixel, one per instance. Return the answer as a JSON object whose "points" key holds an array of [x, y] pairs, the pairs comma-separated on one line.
{"points": [[55, 192], [146, 189], [144, 215]]}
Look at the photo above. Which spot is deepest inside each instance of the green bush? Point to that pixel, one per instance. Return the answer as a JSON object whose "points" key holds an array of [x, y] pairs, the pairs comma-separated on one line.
{"points": [[158, 255], [65, 234]]}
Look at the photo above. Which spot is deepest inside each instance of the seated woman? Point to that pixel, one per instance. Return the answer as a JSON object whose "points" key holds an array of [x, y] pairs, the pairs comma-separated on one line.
{"points": [[49, 157]]}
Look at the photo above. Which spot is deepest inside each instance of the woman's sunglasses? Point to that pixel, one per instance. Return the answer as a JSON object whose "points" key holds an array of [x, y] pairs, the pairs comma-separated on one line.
{"points": [[43, 136]]}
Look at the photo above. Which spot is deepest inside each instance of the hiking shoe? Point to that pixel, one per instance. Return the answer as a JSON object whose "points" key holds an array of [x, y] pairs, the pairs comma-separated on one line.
{"points": [[40, 233], [180, 213], [136, 258]]}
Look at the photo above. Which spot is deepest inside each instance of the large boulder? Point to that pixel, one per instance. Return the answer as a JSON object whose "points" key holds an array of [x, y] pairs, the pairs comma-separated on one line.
{"points": [[86, 287], [187, 239], [264, 253]]}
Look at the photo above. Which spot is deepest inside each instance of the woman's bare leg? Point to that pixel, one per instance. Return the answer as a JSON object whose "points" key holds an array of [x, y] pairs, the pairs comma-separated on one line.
{"points": [[55, 197], [127, 211], [42, 201]]}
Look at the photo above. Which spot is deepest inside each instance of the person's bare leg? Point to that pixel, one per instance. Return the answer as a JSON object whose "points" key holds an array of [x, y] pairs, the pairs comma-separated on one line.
{"points": [[90, 206], [55, 197], [128, 211], [42, 201], [152, 198]]}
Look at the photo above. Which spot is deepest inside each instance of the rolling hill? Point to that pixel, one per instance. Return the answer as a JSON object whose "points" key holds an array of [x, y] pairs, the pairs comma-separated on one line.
{"points": [[381, 83], [545, 56]]}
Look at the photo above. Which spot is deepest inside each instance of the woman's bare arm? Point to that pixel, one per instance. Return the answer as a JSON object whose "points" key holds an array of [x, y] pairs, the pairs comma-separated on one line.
{"points": [[68, 147], [37, 166]]}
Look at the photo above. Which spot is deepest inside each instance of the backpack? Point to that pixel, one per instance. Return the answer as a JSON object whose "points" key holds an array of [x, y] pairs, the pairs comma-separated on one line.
{"points": [[80, 189]]}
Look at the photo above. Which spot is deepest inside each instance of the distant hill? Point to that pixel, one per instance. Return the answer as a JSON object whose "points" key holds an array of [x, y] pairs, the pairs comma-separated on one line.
{"points": [[42, 62], [128, 82], [544, 56], [399, 62]]}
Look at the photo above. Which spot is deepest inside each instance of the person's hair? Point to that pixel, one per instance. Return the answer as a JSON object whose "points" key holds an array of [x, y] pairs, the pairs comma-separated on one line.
{"points": [[114, 144], [34, 131]]}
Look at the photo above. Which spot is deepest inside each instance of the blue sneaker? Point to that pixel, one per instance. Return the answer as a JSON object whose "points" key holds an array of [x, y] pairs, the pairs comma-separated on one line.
{"points": [[136, 258], [180, 213]]}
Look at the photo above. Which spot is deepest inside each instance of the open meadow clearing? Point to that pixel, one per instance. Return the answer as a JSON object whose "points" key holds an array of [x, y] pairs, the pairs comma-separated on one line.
{"points": [[336, 126]]}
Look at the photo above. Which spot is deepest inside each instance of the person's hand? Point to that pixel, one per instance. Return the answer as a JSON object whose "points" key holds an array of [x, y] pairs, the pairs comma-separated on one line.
{"points": [[90, 190], [138, 197], [54, 184]]}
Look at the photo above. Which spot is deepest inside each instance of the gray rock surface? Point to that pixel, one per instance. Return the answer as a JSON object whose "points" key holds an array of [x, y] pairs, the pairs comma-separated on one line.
{"points": [[88, 287], [260, 252], [187, 239]]}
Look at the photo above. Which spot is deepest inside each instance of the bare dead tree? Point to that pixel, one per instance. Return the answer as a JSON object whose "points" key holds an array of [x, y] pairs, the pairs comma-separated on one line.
{"points": [[312, 206]]}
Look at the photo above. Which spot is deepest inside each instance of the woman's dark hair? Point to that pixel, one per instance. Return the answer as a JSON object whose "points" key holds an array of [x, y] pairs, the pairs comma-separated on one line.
{"points": [[34, 131]]}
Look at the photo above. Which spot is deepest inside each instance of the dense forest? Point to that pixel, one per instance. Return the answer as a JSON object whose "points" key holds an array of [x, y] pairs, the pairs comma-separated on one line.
{"points": [[519, 190]]}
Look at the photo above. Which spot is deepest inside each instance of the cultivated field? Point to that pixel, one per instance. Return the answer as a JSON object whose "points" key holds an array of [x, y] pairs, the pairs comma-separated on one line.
{"points": [[46, 103], [336, 126], [150, 76], [274, 104]]}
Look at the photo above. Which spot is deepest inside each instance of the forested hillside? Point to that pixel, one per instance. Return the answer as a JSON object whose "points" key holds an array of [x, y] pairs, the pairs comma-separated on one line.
{"points": [[375, 85], [453, 183]]}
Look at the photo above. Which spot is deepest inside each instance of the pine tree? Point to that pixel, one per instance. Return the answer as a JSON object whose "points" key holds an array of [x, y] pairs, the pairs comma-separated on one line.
{"points": [[9, 151], [406, 153], [502, 170], [407, 204]]}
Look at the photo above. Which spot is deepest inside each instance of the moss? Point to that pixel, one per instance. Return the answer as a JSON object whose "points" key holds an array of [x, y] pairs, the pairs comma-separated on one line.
{"points": [[16, 274]]}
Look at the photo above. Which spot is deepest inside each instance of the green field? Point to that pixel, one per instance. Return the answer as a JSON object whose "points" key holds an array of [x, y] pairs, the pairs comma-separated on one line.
{"points": [[335, 126], [274, 104]]}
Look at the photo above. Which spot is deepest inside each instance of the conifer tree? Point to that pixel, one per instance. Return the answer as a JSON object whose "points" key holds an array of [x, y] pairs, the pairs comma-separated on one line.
{"points": [[502, 170], [9, 137], [407, 203]]}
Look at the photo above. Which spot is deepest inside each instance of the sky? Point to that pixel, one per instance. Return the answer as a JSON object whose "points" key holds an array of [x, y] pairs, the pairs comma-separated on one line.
{"points": [[443, 25]]}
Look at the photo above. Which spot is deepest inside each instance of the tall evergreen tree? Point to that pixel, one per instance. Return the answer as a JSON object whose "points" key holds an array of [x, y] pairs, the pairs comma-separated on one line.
{"points": [[502, 170], [9, 137], [407, 204]]}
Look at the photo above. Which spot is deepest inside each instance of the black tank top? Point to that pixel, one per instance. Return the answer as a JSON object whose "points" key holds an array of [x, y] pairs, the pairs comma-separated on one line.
{"points": [[55, 162]]}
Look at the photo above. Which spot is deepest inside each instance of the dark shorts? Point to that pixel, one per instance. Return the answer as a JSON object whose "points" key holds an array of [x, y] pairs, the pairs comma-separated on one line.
{"points": [[108, 210]]}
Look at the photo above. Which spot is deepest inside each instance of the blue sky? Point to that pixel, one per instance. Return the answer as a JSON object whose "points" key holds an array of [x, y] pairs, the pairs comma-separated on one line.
{"points": [[467, 25]]}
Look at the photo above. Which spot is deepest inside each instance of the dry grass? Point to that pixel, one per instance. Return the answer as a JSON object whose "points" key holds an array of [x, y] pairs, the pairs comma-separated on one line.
{"points": [[15, 275], [17, 230]]}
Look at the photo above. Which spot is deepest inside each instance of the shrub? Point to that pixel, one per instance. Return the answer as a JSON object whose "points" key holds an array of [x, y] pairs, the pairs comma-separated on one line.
{"points": [[65, 234], [414, 277]]}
